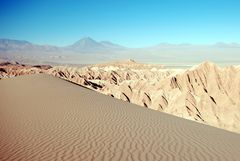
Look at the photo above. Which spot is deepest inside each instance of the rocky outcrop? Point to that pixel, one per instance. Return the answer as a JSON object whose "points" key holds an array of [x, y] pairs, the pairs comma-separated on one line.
{"points": [[12, 69]]}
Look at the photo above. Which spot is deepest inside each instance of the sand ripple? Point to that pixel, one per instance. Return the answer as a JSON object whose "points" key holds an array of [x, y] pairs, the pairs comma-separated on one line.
{"points": [[46, 118]]}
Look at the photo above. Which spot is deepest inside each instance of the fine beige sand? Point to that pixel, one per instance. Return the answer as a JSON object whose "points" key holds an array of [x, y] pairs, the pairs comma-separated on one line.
{"points": [[47, 118]]}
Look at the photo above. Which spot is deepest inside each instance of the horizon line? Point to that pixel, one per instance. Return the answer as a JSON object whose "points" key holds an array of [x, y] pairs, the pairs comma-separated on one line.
{"points": [[99, 41]]}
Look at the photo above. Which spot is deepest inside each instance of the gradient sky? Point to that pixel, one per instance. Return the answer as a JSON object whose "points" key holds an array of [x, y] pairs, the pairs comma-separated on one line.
{"points": [[132, 23]]}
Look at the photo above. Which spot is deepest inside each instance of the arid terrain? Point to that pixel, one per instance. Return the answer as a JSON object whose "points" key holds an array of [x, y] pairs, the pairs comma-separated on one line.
{"points": [[119, 80], [47, 118], [205, 93]]}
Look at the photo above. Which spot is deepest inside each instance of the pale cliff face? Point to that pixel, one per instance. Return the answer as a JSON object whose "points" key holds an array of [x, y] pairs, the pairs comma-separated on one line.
{"points": [[205, 93]]}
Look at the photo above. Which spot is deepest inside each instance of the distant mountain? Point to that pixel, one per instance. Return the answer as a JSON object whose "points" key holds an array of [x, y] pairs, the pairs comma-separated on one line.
{"points": [[10, 46], [7, 44], [111, 45], [13, 42], [88, 45]]}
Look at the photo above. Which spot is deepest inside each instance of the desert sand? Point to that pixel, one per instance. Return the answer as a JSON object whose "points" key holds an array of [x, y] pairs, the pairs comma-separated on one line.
{"points": [[47, 118]]}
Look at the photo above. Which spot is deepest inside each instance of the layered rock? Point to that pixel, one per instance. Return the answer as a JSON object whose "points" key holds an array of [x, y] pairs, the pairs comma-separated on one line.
{"points": [[12, 69]]}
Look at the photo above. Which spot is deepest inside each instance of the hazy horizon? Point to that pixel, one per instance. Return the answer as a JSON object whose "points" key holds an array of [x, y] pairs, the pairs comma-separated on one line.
{"points": [[110, 41]]}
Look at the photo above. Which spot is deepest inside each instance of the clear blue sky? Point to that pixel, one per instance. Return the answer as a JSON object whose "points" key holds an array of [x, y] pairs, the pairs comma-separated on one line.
{"points": [[133, 23]]}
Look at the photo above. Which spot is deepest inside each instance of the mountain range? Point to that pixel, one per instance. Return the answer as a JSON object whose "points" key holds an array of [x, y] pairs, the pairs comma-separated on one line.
{"points": [[87, 45], [87, 50]]}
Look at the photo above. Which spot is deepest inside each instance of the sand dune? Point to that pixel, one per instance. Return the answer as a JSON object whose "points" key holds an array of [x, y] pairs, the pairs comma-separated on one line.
{"points": [[46, 118]]}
